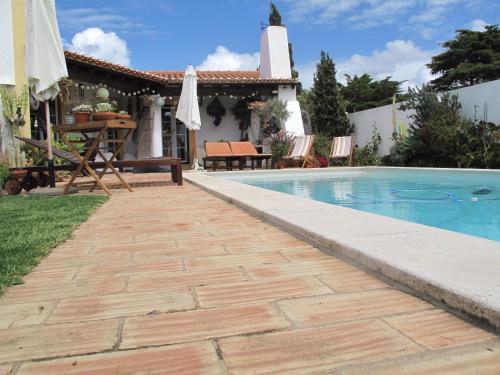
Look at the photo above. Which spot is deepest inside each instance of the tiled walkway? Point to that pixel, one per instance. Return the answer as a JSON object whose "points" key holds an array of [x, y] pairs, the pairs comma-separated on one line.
{"points": [[171, 280]]}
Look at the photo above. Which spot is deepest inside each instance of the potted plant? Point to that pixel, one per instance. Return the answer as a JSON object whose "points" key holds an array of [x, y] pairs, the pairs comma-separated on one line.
{"points": [[123, 115], [104, 111], [82, 113], [279, 143]]}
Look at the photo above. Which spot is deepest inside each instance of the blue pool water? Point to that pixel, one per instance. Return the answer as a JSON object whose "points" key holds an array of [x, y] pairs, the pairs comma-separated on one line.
{"points": [[461, 201]]}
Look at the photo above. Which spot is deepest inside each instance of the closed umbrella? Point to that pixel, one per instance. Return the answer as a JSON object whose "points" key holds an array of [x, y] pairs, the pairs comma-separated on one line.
{"points": [[188, 110], [7, 70], [45, 62]]}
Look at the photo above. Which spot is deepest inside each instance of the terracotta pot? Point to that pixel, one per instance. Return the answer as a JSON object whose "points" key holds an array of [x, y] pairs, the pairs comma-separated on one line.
{"points": [[123, 117], [81, 117], [97, 116]]}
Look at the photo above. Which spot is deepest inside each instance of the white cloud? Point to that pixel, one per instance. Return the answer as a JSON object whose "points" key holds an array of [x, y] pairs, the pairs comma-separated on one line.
{"points": [[400, 59], [224, 59], [477, 25], [362, 14], [107, 46]]}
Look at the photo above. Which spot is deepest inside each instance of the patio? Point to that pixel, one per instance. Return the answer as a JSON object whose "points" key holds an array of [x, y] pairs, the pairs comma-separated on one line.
{"points": [[174, 280]]}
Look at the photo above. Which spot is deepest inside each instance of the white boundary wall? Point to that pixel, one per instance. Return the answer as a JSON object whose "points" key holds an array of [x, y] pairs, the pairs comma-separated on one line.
{"points": [[480, 102]]}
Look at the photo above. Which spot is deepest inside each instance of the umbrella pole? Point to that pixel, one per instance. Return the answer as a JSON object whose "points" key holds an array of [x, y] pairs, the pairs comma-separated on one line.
{"points": [[50, 161], [195, 146]]}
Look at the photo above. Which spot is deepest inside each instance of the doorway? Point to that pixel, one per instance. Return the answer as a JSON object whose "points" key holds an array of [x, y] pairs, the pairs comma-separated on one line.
{"points": [[175, 135]]}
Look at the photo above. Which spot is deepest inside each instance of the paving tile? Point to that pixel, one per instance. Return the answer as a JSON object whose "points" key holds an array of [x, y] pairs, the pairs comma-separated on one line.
{"points": [[24, 313], [350, 280], [231, 294], [234, 260], [42, 274], [130, 247], [437, 329], [131, 268], [185, 278], [6, 369], [56, 340], [293, 269], [56, 290], [476, 361], [121, 304], [336, 308], [176, 252], [313, 350], [200, 324], [307, 253], [188, 359]]}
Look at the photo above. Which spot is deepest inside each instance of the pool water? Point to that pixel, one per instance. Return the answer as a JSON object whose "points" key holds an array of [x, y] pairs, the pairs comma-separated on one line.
{"points": [[461, 201]]}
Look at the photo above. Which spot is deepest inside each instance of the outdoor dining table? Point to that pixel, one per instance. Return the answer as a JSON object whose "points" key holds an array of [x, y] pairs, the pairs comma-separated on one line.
{"points": [[96, 133]]}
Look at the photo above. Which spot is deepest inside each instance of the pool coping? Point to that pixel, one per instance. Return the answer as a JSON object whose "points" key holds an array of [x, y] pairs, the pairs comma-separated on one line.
{"points": [[434, 263]]}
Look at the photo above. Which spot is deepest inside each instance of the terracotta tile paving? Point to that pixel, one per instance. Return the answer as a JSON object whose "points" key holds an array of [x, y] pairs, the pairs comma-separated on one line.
{"points": [[172, 280]]}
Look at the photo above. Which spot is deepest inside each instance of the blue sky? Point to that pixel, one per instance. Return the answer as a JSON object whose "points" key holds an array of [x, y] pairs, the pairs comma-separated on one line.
{"points": [[391, 37]]}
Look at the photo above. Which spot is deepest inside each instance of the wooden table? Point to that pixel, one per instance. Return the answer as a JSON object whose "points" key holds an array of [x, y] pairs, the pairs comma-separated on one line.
{"points": [[99, 130]]}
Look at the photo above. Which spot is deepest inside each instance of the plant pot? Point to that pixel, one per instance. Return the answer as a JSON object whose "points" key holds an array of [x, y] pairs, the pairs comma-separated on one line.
{"points": [[81, 117], [98, 116], [123, 117]]}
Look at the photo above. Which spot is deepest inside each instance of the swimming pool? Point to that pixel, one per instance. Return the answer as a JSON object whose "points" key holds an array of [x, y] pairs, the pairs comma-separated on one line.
{"points": [[466, 201]]}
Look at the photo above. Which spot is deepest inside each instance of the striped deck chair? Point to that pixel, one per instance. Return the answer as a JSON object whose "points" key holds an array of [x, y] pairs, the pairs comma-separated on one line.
{"points": [[301, 149], [342, 147]]}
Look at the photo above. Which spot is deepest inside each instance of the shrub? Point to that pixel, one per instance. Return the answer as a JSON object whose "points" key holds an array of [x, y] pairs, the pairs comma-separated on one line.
{"points": [[322, 144], [367, 155], [441, 137], [280, 144]]}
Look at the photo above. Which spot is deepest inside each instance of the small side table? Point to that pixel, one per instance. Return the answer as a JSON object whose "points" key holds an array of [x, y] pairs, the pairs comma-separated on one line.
{"points": [[100, 130]]}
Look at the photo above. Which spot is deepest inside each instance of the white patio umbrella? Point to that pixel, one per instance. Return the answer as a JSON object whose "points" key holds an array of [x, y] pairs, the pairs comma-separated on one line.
{"points": [[7, 69], [45, 62], [188, 110]]}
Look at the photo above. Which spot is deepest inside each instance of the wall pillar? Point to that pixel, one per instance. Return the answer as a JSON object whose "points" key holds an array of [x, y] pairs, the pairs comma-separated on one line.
{"points": [[19, 30], [156, 133]]}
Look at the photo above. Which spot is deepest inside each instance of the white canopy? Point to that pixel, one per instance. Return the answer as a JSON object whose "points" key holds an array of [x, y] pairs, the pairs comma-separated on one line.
{"points": [[7, 70], [188, 110], [45, 62]]}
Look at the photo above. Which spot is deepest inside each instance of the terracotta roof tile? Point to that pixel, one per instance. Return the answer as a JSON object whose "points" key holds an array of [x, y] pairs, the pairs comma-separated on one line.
{"points": [[174, 76]]}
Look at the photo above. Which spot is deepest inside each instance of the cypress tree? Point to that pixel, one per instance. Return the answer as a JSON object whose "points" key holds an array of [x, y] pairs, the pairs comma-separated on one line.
{"points": [[328, 108], [274, 16]]}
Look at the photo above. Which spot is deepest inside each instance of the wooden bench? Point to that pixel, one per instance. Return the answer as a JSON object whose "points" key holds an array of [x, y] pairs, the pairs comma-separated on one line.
{"points": [[174, 163]]}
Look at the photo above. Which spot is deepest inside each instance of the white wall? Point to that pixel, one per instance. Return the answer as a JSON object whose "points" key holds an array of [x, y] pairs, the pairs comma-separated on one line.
{"points": [[294, 123], [274, 55], [380, 117], [484, 96], [476, 101], [227, 130]]}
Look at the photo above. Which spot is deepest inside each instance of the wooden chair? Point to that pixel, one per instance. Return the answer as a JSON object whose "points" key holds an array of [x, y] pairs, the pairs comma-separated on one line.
{"points": [[342, 148], [216, 152], [301, 150], [247, 150]]}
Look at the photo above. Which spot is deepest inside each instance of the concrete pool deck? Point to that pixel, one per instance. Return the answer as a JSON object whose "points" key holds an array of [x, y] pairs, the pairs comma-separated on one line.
{"points": [[457, 270]]}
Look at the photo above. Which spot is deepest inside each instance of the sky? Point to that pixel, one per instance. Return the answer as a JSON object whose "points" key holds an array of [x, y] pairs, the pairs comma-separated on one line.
{"points": [[380, 37]]}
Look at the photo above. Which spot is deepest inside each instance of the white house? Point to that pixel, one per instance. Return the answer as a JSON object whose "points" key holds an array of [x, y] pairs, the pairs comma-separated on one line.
{"points": [[151, 98]]}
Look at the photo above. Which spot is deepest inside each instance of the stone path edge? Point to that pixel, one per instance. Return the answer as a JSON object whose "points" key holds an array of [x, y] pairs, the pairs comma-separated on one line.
{"points": [[440, 288]]}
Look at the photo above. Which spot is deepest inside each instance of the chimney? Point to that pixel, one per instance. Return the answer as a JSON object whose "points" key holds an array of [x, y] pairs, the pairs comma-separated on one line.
{"points": [[274, 55]]}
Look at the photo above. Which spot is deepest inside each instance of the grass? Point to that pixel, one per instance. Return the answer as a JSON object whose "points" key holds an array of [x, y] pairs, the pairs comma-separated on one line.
{"points": [[31, 226]]}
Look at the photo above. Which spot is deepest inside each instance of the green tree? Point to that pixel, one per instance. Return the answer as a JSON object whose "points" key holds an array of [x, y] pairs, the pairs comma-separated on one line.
{"points": [[274, 16], [362, 92], [328, 113], [295, 73], [472, 57], [440, 136]]}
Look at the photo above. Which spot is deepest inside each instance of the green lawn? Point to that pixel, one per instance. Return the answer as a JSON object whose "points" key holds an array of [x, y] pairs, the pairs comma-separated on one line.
{"points": [[30, 227]]}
